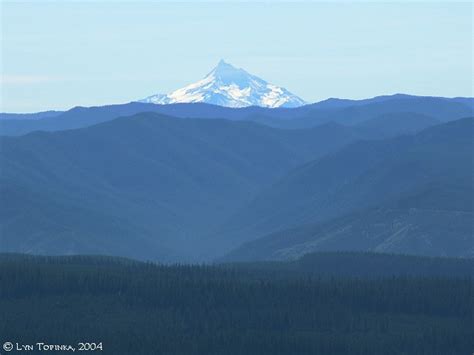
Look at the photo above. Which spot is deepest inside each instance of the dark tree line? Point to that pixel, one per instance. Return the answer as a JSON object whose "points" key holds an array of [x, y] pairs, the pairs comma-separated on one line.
{"points": [[143, 308]]}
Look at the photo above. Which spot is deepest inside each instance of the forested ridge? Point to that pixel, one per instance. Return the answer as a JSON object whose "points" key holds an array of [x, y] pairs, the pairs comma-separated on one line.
{"points": [[145, 308]]}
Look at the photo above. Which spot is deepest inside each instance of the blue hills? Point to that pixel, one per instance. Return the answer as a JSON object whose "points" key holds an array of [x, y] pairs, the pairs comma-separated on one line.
{"points": [[195, 181], [348, 112]]}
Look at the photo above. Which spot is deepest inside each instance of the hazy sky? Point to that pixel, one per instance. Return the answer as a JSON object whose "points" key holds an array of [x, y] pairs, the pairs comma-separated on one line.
{"points": [[58, 55]]}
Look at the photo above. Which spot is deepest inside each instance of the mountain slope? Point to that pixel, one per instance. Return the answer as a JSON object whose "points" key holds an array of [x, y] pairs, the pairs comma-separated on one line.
{"points": [[364, 175], [412, 231], [145, 186], [228, 86], [395, 124]]}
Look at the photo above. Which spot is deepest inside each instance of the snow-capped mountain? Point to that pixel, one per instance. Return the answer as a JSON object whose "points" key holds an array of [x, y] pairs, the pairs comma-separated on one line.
{"points": [[228, 86]]}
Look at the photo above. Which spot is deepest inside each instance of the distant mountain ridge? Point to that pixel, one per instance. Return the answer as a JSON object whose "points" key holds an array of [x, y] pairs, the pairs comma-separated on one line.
{"points": [[347, 112], [228, 86], [29, 116]]}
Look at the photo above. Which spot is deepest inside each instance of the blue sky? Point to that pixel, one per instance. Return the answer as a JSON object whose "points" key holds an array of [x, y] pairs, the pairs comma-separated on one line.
{"points": [[57, 55]]}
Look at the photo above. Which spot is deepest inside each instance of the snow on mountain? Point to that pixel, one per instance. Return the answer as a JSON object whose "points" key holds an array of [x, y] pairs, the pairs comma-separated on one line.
{"points": [[228, 86]]}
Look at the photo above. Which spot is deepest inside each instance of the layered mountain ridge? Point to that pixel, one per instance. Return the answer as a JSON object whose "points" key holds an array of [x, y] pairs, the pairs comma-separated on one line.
{"points": [[193, 181]]}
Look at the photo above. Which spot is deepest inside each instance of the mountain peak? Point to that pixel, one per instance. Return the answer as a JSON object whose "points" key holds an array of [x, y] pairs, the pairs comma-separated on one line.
{"points": [[223, 64], [225, 70], [229, 86]]}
